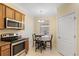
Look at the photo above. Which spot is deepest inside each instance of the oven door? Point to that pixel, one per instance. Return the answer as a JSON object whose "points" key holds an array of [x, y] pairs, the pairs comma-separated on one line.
{"points": [[18, 48]]}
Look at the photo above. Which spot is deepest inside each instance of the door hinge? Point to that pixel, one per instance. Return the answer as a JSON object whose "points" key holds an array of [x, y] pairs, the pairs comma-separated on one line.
{"points": [[74, 18], [74, 36], [74, 54]]}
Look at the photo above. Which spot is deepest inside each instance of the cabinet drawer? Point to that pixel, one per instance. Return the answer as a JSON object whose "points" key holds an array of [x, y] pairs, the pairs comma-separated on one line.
{"points": [[5, 52], [5, 47]]}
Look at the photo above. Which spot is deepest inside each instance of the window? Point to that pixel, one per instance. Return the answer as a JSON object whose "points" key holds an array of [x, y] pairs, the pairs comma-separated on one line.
{"points": [[44, 27]]}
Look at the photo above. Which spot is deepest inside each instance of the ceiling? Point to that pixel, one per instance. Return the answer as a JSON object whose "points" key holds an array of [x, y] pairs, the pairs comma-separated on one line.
{"points": [[39, 9]]}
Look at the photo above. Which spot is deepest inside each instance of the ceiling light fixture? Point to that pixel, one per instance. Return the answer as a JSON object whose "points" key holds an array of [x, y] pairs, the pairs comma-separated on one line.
{"points": [[40, 21], [41, 11]]}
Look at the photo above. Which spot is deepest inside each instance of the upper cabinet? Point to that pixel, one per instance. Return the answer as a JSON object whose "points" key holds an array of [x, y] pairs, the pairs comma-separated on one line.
{"points": [[12, 16], [23, 17], [2, 16], [18, 16], [9, 12]]}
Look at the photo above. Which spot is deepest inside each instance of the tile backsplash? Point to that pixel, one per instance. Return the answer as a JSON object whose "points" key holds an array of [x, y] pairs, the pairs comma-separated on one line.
{"points": [[19, 32], [8, 31]]}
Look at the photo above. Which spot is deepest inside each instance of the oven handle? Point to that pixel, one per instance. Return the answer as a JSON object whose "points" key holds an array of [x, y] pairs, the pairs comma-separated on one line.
{"points": [[17, 42]]}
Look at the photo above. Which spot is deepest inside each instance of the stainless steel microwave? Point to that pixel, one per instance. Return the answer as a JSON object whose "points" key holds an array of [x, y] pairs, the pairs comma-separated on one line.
{"points": [[12, 24]]}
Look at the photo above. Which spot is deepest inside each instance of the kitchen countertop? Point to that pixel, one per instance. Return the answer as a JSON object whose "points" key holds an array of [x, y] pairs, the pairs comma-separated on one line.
{"points": [[3, 43]]}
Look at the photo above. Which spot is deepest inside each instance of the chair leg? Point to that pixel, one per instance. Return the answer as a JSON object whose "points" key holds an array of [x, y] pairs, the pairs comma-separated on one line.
{"points": [[33, 44], [45, 45], [40, 46], [50, 45], [36, 47], [41, 49]]}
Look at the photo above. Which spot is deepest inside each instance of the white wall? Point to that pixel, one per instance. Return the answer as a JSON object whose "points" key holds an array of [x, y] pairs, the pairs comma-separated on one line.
{"points": [[29, 27]]}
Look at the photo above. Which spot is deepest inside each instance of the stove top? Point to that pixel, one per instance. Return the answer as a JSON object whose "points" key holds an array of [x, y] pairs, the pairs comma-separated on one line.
{"points": [[13, 41], [9, 37]]}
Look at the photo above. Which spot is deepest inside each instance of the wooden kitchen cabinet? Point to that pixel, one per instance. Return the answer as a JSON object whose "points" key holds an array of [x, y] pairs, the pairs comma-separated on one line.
{"points": [[23, 20], [2, 16], [27, 44], [18, 16], [5, 50], [23, 17], [9, 12]]}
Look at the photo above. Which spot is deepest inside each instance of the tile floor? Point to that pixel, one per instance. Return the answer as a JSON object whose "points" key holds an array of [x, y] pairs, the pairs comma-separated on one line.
{"points": [[46, 52]]}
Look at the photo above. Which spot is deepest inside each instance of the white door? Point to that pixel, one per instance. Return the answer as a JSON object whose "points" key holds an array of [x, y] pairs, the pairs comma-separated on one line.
{"points": [[67, 35]]}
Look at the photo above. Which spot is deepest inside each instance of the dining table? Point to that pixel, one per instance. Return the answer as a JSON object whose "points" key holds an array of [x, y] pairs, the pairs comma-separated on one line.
{"points": [[45, 38], [42, 39]]}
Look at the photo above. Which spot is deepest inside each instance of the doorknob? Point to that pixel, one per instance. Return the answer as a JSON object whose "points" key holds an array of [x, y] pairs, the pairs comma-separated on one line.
{"points": [[74, 36], [59, 37]]}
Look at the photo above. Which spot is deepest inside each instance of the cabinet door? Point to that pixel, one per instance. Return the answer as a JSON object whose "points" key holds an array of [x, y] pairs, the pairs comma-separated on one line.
{"points": [[23, 17], [18, 16], [23, 20], [9, 13], [27, 45], [5, 50], [2, 16]]}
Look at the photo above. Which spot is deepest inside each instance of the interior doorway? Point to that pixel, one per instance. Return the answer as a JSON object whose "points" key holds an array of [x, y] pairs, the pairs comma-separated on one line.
{"points": [[66, 41]]}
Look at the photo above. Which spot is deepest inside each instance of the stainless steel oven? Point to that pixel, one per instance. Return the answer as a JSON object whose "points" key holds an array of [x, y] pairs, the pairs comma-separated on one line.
{"points": [[17, 48]]}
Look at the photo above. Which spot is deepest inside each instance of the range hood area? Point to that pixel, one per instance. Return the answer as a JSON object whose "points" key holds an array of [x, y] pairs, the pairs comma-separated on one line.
{"points": [[13, 24]]}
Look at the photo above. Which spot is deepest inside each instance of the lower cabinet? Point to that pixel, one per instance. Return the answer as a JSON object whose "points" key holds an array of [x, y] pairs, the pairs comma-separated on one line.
{"points": [[27, 45], [5, 50]]}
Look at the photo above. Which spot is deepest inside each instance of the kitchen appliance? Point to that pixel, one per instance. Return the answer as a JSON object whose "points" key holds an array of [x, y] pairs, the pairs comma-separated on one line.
{"points": [[17, 44], [13, 24]]}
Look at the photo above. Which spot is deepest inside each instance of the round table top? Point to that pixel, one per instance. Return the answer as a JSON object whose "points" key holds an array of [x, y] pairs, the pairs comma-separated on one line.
{"points": [[45, 38]]}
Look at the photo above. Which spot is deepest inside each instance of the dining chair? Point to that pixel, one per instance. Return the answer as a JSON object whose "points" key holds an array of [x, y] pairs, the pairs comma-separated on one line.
{"points": [[50, 42], [40, 45]]}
